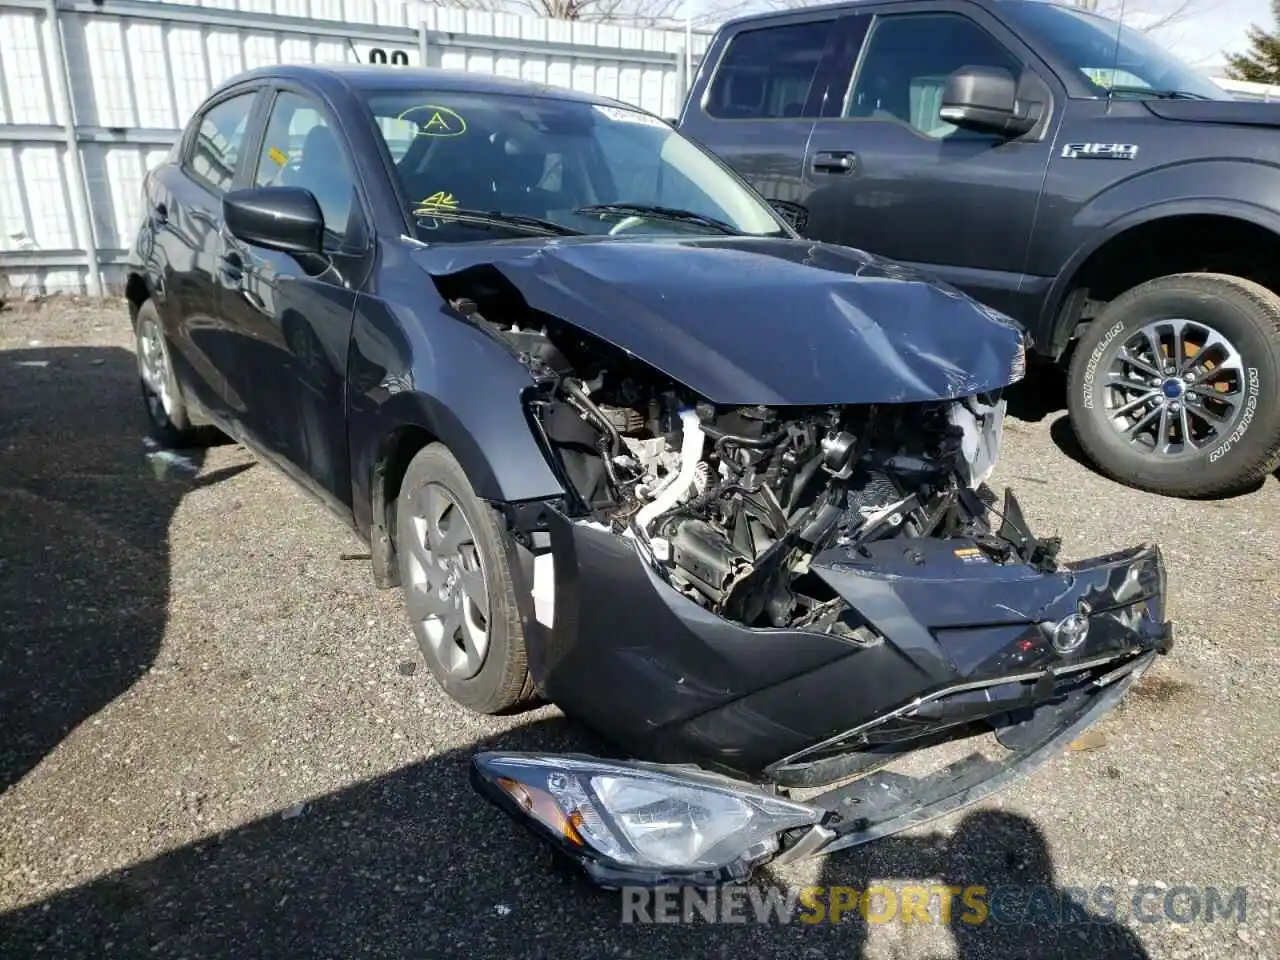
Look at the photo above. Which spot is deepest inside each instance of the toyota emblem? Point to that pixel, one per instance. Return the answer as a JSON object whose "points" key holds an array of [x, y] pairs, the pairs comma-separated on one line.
{"points": [[1070, 632]]}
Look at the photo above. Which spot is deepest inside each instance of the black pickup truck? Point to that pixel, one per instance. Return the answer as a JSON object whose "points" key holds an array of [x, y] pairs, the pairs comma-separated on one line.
{"points": [[1063, 169]]}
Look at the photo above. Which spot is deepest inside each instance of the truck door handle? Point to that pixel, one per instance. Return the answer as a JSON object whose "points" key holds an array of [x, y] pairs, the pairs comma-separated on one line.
{"points": [[834, 161]]}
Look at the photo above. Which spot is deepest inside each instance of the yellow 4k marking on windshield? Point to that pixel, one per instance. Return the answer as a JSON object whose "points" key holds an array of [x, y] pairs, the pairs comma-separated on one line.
{"points": [[440, 200]]}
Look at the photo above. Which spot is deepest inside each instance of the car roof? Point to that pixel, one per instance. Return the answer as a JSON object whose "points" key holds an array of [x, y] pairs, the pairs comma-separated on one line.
{"points": [[362, 77]]}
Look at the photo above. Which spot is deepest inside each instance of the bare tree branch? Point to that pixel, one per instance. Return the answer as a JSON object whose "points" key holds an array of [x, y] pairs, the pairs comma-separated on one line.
{"points": [[1146, 16], [719, 10], [638, 13], [1143, 15]]}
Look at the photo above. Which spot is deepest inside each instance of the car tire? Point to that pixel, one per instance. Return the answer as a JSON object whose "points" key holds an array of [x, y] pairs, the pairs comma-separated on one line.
{"points": [[1232, 419], [161, 392], [457, 582]]}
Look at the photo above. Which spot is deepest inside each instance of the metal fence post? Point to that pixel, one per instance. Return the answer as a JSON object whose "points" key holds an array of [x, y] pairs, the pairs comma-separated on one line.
{"points": [[423, 44], [682, 76], [688, 56], [80, 206]]}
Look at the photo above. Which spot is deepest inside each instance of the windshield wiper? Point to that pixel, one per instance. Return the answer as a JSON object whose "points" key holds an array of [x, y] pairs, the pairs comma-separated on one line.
{"points": [[1159, 94], [494, 218], [657, 213]]}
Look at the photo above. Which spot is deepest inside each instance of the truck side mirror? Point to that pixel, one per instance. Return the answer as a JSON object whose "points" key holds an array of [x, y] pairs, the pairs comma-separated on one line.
{"points": [[985, 99]]}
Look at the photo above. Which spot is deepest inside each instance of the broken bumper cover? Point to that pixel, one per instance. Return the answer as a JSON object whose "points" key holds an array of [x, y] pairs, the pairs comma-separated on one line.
{"points": [[1034, 658], [929, 620]]}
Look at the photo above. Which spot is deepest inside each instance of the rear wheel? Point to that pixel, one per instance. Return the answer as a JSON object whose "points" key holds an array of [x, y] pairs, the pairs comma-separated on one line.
{"points": [[1173, 388], [166, 410], [454, 570]]}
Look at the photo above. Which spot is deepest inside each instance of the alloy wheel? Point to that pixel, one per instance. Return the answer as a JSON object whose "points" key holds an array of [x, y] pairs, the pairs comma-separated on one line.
{"points": [[153, 367], [1174, 387], [447, 593]]}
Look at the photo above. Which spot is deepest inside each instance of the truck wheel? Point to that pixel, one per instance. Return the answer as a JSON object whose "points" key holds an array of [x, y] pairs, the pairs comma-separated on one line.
{"points": [[1173, 388], [456, 576]]}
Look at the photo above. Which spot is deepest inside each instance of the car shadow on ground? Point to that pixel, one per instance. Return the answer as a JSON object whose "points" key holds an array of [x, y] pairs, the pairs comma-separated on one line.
{"points": [[84, 560], [1041, 393], [415, 864]]}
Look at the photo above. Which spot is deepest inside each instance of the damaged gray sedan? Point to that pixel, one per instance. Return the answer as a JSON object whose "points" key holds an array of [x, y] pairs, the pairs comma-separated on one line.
{"points": [[628, 444]]}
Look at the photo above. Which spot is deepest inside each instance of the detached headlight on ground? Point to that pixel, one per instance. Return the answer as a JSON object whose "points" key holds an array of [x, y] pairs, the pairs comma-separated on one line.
{"points": [[628, 823]]}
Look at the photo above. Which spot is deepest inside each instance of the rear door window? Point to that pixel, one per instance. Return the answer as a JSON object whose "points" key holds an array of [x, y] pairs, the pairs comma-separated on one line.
{"points": [[767, 74], [214, 152]]}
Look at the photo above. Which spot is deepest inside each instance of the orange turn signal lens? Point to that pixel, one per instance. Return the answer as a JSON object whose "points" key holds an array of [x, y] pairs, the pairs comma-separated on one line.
{"points": [[543, 807]]}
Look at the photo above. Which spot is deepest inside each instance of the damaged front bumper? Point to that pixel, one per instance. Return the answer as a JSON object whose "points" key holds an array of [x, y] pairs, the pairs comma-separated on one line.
{"points": [[936, 643]]}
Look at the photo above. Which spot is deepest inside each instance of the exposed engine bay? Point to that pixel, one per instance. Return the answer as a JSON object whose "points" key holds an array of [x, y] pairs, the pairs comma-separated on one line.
{"points": [[730, 504]]}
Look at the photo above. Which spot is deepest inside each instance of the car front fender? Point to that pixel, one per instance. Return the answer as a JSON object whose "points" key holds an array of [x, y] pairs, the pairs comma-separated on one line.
{"points": [[438, 378]]}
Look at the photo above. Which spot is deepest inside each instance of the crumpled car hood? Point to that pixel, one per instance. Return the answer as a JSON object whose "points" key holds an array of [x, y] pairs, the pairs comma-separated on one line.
{"points": [[751, 320]]}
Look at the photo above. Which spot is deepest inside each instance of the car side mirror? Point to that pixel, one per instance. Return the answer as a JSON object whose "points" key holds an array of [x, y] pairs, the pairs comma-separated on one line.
{"points": [[278, 218], [985, 99]]}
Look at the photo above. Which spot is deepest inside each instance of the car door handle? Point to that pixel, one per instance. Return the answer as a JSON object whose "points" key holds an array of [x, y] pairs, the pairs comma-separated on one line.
{"points": [[835, 161]]}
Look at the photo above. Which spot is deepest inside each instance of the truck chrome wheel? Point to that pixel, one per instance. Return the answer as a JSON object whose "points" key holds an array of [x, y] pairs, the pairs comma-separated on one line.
{"points": [[447, 594], [1174, 387]]}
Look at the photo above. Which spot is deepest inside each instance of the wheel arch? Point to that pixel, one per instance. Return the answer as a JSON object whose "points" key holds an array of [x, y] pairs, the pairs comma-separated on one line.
{"points": [[1177, 236], [395, 451], [500, 469], [136, 293]]}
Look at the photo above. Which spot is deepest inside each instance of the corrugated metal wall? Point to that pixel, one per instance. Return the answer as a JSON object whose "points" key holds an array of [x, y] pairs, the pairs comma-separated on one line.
{"points": [[95, 94]]}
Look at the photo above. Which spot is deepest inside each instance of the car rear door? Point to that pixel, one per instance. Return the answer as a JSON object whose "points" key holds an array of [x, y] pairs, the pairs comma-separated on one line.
{"points": [[757, 98], [883, 172], [289, 316], [187, 214]]}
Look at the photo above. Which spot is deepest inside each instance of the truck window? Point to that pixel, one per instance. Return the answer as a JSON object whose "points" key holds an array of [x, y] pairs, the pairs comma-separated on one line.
{"points": [[767, 73], [906, 64], [1108, 54]]}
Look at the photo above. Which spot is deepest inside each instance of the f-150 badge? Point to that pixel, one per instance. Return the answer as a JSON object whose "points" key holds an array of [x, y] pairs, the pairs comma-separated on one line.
{"points": [[1100, 151]]}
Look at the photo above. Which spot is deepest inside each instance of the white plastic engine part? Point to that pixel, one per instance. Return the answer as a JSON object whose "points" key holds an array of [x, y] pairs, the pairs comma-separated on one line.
{"points": [[690, 457]]}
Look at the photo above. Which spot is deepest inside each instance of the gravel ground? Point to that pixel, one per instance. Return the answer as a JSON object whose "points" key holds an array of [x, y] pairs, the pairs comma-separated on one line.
{"points": [[217, 739]]}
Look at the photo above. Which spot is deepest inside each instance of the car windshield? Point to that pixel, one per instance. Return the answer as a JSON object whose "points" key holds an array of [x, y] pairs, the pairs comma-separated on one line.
{"points": [[477, 166], [1088, 42]]}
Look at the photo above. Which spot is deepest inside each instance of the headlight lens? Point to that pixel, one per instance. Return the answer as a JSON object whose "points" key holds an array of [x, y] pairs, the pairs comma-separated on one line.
{"points": [[641, 817], [669, 824]]}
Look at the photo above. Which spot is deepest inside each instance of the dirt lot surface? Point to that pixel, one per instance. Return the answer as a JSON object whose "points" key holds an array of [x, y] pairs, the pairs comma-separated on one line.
{"points": [[216, 738]]}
